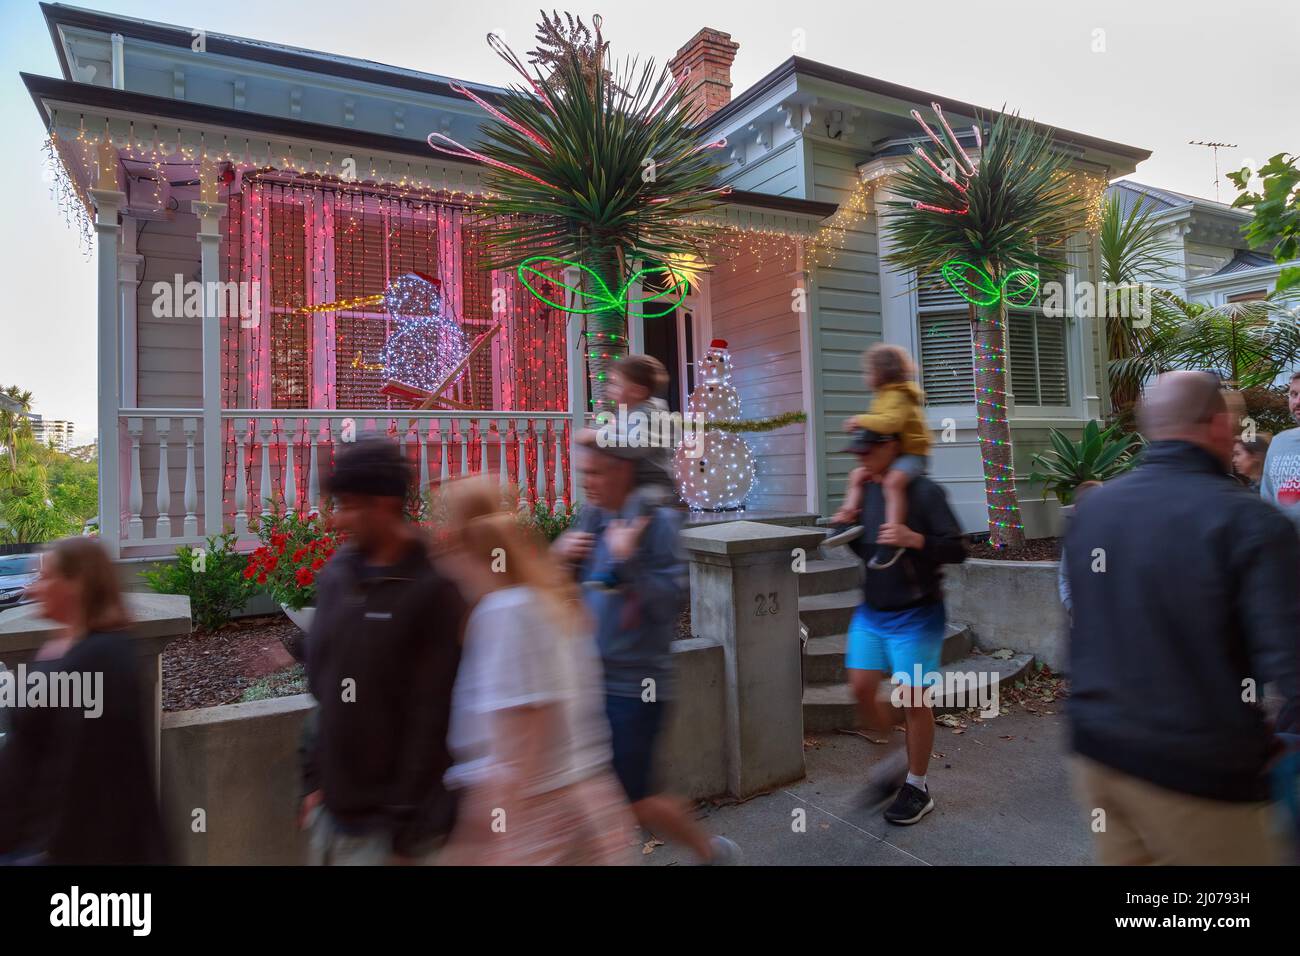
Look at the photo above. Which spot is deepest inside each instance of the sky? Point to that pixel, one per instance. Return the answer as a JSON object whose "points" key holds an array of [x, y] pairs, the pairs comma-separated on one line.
{"points": [[1154, 73]]}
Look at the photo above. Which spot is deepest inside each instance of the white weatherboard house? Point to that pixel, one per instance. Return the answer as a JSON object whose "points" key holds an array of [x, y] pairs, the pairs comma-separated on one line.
{"points": [[1212, 263], [306, 177]]}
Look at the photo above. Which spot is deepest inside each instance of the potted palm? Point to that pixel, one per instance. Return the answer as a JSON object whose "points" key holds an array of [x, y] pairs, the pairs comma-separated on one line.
{"points": [[1003, 213], [596, 164]]}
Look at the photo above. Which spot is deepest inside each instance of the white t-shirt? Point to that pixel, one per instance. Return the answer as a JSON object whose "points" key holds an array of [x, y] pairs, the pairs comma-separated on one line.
{"points": [[515, 656]]}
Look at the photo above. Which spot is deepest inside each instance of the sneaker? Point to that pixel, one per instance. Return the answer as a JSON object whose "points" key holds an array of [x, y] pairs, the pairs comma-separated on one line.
{"points": [[886, 777], [909, 806], [724, 852], [841, 534], [884, 557]]}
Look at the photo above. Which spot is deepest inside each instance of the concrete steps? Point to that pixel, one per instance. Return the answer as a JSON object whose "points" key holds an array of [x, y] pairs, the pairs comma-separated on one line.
{"points": [[830, 589]]}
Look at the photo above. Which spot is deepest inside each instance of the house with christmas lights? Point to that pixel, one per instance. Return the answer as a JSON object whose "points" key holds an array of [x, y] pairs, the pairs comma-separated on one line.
{"points": [[284, 263]]}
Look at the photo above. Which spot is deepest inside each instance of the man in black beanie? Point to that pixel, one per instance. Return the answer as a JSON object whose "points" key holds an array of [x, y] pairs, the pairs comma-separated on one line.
{"points": [[382, 654]]}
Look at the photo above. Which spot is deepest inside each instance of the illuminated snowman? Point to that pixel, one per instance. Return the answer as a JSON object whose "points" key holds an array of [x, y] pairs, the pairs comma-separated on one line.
{"points": [[718, 478]]}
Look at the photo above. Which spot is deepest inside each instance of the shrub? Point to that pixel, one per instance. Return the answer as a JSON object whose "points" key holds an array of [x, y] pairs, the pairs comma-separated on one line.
{"points": [[546, 523], [294, 548], [212, 577], [1097, 456]]}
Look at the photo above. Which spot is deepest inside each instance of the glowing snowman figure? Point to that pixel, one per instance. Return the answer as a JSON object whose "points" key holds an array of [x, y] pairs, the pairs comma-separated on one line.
{"points": [[720, 478]]}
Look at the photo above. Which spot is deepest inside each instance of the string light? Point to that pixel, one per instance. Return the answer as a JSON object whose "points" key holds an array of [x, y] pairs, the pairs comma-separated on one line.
{"points": [[720, 476]]}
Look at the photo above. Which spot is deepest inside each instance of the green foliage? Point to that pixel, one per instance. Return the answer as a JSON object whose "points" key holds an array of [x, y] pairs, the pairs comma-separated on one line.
{"points": [[1277, 212], [44, 494], [1098, 455], [549, 525], [285, 683], [214, 580], [1248, 344]]}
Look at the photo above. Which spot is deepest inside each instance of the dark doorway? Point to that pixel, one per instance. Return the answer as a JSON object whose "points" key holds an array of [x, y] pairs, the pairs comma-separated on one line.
{"points": [[661, 342]]}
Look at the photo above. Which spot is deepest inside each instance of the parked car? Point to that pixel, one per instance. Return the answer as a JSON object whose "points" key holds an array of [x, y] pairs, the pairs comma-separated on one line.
{"points": [[17, 571]]}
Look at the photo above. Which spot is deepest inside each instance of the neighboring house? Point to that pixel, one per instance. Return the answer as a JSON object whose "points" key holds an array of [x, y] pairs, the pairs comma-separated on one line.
{"points": [[52, 431], [306, 177], [1213, 262]]}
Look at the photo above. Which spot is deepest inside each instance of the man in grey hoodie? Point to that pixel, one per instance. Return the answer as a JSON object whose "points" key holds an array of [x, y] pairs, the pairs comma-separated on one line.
{"points": [[1280, 481]]}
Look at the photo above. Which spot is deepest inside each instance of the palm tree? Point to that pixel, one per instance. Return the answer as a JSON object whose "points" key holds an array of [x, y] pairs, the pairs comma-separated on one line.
{"points": [[595, 166], [15, 429], [1012, 212], [1132, 248], [1247, 344]]}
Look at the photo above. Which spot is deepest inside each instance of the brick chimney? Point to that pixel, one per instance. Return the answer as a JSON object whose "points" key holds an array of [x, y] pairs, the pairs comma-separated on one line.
{"points": [[708, 55]]}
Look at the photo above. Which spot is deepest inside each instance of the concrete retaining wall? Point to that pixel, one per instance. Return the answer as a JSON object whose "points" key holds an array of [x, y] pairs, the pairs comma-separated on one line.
{"points": [[1012, 604], [239, 764]]}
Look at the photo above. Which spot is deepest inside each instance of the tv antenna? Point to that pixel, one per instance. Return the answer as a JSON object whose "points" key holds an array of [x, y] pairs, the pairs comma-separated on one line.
{"points": [[1216, 147]]}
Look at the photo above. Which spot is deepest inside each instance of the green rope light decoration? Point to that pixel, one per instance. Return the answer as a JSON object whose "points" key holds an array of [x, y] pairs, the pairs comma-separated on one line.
{"points": [[979, 288], [599, 295], [758, 424]]}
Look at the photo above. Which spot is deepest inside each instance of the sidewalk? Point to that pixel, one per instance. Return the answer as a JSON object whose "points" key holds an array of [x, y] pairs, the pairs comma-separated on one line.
{"points": [[997, 801]]}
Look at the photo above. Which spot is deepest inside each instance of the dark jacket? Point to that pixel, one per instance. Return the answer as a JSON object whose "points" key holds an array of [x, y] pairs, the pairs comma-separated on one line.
{"points": [[1200, 592], [382, 655], [917, 577], [78, 789]]}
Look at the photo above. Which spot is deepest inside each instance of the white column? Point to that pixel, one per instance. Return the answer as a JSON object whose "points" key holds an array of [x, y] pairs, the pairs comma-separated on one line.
{"points": [[135, 497], [129, 266], [210, 215], [577, 374], [635, 322], [163, 528], [191, 526], [107, 204]]}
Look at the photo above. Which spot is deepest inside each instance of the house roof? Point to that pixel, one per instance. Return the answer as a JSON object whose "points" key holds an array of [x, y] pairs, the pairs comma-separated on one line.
{"points": [[1132, 193], [1243, 260], [799, 66]]}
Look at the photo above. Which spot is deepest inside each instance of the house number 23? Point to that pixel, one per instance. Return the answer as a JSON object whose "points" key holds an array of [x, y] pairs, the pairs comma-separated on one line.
{"points": [[765, 604]]}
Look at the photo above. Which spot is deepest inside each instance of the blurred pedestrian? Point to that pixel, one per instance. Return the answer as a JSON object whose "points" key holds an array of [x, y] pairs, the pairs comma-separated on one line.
{"points": [[634, 581], [1185, 605], [77, 779], [897, 632], [528, 728], [382, 653], [1248, 459], [1280, 481]]}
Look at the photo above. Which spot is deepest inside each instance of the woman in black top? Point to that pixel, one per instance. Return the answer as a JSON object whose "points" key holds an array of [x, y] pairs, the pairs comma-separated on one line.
{"points": [[76, 780]]}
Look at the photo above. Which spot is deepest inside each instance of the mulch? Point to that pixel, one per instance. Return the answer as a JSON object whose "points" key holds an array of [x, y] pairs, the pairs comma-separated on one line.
{"points": [[1037, 549], [209, 668]]}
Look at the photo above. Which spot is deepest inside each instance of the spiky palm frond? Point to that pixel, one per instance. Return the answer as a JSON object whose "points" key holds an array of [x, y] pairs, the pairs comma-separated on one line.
{"points": [[1021, 206], [1132, 246], [1248, 344], [611, 173]]}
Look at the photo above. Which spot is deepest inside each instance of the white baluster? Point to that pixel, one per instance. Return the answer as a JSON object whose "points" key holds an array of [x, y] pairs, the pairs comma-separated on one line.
{"points": [[484, 430], [190, 526], [462, 430], [264, 428], [503, 432], [523, 465], [422, 446], [241, 476], [135, 499], [558, 429], [444, 448], [290, 472], [313, 475], [163, 527]]}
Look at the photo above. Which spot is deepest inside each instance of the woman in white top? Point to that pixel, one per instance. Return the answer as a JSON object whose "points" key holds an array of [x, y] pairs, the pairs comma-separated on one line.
{"points": [[528, 729]]}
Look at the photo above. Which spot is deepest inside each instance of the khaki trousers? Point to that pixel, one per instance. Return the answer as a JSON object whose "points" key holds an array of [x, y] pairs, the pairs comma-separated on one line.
{"points": [[1145, 825]]}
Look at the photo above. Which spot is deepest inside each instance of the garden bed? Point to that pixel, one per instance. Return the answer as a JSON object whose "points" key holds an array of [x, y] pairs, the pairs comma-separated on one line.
{"points": [[1036, 549], [209, 668]]}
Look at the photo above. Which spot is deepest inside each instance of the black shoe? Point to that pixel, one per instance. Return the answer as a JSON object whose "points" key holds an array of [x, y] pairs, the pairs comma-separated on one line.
{"points": [[841, 534], [884, 557], [909, 806], [886, 777]]}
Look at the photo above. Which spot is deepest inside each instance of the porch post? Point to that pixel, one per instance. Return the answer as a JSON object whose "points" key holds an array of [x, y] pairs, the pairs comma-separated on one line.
{"points": [[108, 203], [129, 275], [210, 215], [576, 369], [635, 322]]}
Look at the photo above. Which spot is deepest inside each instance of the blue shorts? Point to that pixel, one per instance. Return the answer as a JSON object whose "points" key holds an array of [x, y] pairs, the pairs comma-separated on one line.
{"points": [[906, 645], [634, 730]]}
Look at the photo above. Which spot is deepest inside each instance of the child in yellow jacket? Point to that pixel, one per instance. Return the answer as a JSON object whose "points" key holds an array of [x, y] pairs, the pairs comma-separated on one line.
{"points": [[896, 409]]}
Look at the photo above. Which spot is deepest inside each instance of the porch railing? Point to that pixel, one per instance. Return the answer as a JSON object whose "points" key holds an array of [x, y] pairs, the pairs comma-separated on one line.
{"points": [[281, 458]]}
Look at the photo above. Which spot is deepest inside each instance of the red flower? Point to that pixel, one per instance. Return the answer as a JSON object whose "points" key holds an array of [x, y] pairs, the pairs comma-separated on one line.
{"points": [[251, 569], [261, 578], [304, 576], [299, 555]]}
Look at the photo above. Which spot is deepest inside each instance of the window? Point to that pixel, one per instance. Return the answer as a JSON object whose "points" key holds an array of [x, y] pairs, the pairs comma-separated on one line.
{"points": [[1255, 296], [947, 371], [1037, 359]]}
